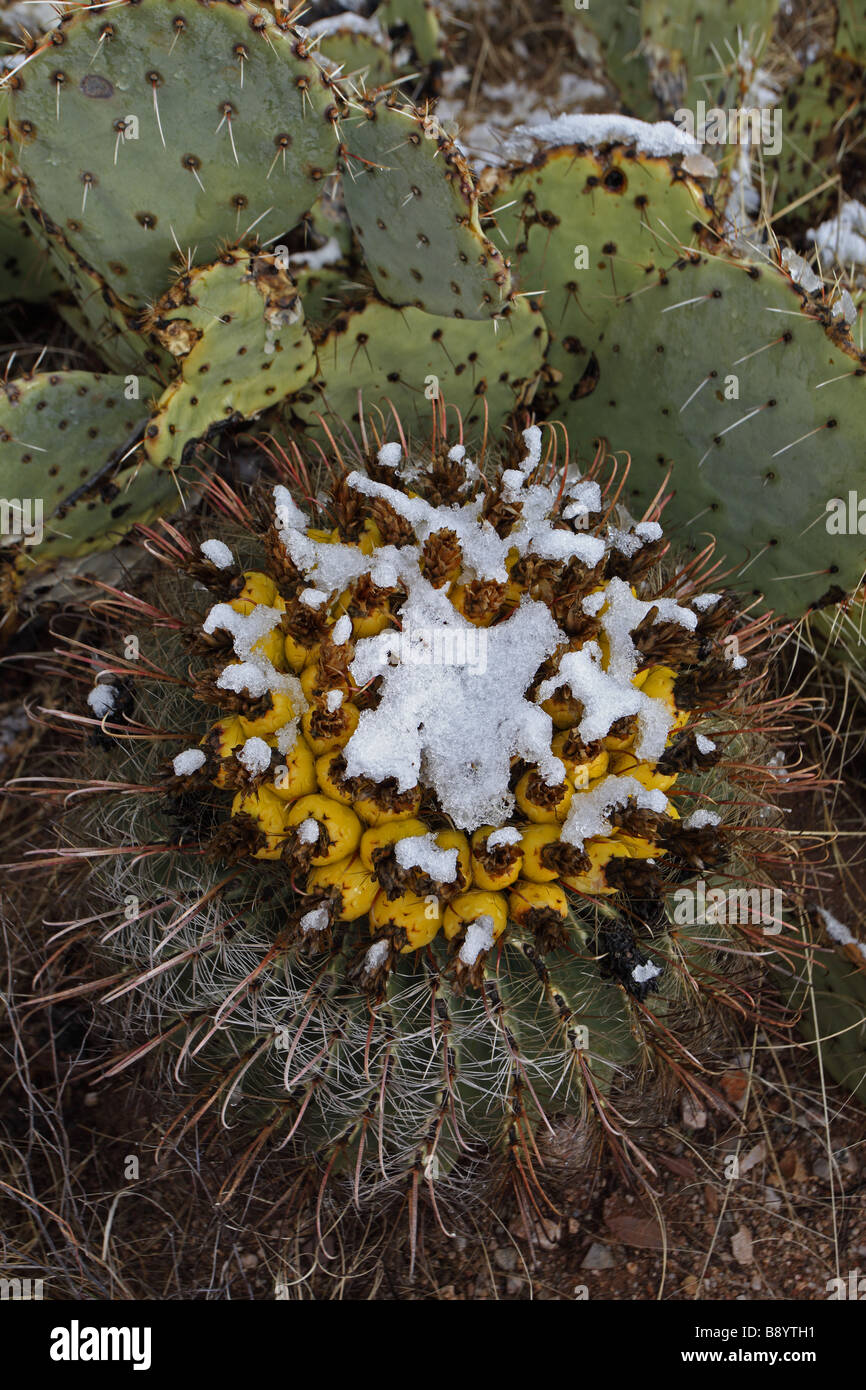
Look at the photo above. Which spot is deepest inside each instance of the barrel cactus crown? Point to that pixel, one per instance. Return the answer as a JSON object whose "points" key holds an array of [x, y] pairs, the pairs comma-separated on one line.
{"points": [[403, 893]]}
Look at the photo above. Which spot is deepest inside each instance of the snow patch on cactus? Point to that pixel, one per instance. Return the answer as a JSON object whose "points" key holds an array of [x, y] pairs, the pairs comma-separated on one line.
{"points": [[589, 813], [422, 852], [839, 933], [218, 553], [699, 820], [659, 139], [102, 699], [479, 937], [189, 761]]}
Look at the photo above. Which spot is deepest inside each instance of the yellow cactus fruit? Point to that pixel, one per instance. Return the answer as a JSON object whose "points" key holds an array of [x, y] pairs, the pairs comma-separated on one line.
{"points": [[269, 813], [542, 908], [659, 685], [377, 804], [299, 777], [622, 739], [420, 918], [581, 769], [330, 775], [468, 907], [371, 624], [534, 839], [371, 537], [380, 838], [222, 739], [563, 709], [541, 803], [299, 654], [497, 866], [640, 848], [339, 827], [325, 730], [592, 880], [258, 588], [478, 602], [281, 712], [357, 887], [316, 685], [627, 765], [455, 839]]}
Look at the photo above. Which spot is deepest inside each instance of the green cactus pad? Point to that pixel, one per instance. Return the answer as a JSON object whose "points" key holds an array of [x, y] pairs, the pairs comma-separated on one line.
{"points": [[692, 47], [24, 272], [60, 430], [421, 19], [362, 62], [398, 356], [831, 1001], [235, 132], [625, 214], [62, 441], [618, 32], [236, 328], [758, 471], [851, 30], [824, 115], [414, 208]]}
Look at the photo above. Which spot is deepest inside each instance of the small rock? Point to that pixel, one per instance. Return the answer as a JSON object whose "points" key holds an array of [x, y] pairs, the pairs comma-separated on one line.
{"points": [[249, 1261], [91, 1099], [694, 1115], [741, 1246], [598, 1256], [548, 1234], [514, 1284], [506, 1258], [754, 1156], [734, 1084]]}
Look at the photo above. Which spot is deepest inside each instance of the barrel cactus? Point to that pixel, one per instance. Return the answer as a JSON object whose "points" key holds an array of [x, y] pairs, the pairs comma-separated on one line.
{"points": [[403, 793]]}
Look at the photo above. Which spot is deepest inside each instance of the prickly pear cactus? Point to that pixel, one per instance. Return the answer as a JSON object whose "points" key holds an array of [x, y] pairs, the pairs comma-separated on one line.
{"points": [[66, 487], [233, 363], [378, 358], [421, 19], [828, 990], [464, 741], [153, 131], [414, 208], [585, 230], [754, 463]]}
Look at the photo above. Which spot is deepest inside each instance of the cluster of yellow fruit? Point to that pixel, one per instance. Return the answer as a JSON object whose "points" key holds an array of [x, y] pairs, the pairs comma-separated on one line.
{"points": [[342, 833]]}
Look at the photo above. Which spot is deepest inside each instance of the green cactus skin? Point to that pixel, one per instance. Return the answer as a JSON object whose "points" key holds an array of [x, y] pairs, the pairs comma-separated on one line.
{"points": [[421, 18], [236, 128], [832, 995], [851, 30], [824, 113], [362, 62], [759, 484], [618, 33], [62, 441], [414, 208], [24, 272], [631, 215], [236, 329], [408, 359], [692, 47]]}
